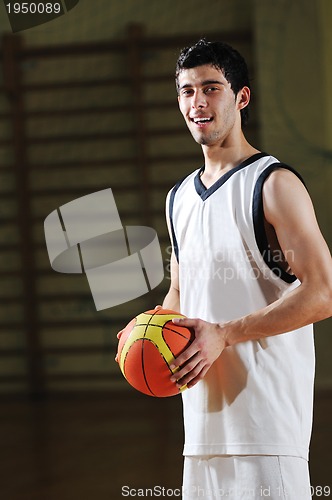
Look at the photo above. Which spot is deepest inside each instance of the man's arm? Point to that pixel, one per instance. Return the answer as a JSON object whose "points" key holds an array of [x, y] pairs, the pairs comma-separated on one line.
{"points": [[172, 299], [288, 208]]}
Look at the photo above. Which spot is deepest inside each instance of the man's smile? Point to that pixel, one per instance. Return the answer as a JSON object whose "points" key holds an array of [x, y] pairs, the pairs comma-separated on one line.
{"points": [[201, 120]]}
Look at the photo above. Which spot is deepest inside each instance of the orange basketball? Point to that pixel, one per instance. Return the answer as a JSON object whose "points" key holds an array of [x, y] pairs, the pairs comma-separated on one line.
{"points": [[147, 347]]}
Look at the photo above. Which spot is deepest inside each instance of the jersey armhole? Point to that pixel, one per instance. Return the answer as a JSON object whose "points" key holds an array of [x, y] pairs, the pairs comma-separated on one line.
{"points": [[259, 227]]}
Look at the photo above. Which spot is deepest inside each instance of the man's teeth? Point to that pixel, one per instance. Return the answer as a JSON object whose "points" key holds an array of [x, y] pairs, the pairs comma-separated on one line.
{"points": [[202, 120]]}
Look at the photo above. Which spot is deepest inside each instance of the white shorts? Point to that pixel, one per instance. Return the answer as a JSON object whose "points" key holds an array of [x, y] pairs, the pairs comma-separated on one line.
{"points": [[246, 478]]}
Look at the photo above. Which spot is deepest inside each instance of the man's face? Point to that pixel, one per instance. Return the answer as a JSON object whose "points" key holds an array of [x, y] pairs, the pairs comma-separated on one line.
{"points": [[208, 104]]}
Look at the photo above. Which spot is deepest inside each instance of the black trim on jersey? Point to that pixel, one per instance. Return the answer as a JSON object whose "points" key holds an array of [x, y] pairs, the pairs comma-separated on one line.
{"points": [[204, 193], [258, 220], [170, 211]]}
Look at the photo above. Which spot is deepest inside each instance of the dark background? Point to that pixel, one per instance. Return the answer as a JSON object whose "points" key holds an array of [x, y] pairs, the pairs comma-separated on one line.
{"points": [[87, 102]]}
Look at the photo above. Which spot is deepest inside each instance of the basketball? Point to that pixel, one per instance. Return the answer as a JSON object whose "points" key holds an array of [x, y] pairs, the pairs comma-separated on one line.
{"points": [[146, 349]]}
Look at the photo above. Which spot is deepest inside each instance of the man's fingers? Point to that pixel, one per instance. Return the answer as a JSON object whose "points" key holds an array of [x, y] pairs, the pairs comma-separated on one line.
{"points": [[119, 334], [188, 322], [184, 377], [185, 367], [199, 377], [180, 360]]}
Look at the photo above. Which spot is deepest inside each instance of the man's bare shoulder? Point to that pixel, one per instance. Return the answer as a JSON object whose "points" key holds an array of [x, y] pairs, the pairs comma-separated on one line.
{"points": [[285, 195]]}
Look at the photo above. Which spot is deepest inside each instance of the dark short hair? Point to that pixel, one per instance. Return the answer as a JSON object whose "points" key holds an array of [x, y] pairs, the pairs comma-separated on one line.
{"points": [[223, 57]]}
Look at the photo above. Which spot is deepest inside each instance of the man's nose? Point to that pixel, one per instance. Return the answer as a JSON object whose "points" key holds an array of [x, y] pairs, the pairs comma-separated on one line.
{"points": [[199, 100]]}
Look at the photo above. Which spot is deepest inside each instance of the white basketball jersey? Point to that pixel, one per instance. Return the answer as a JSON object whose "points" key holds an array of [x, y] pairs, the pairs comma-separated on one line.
{"points": [[257, 396]]}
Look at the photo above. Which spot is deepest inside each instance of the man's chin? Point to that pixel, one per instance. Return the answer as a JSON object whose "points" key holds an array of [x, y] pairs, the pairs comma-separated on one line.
{"points": [[200, 139], [203, 140]]}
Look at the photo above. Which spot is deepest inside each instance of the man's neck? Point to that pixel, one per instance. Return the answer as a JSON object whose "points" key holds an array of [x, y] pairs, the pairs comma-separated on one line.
{"points": [[220, 159]]}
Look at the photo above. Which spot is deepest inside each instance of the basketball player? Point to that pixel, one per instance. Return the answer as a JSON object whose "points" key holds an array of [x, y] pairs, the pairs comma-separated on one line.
{"points": [[252, 272]]}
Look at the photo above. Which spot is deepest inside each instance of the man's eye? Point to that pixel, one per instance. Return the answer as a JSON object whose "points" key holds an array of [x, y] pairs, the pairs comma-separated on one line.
{"points": [[211, 89], [187, 92]]}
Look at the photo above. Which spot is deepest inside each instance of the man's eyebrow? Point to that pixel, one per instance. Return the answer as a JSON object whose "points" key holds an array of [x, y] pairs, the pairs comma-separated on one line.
{"points": [[211, 82], [204, 82]]}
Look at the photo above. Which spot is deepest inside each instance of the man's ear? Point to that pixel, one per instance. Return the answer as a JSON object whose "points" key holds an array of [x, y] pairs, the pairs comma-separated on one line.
{"points": [[243, 97]]}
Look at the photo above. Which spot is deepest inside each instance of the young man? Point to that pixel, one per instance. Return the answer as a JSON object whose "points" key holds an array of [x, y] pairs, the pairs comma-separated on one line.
{"points": [[251, 272]]}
